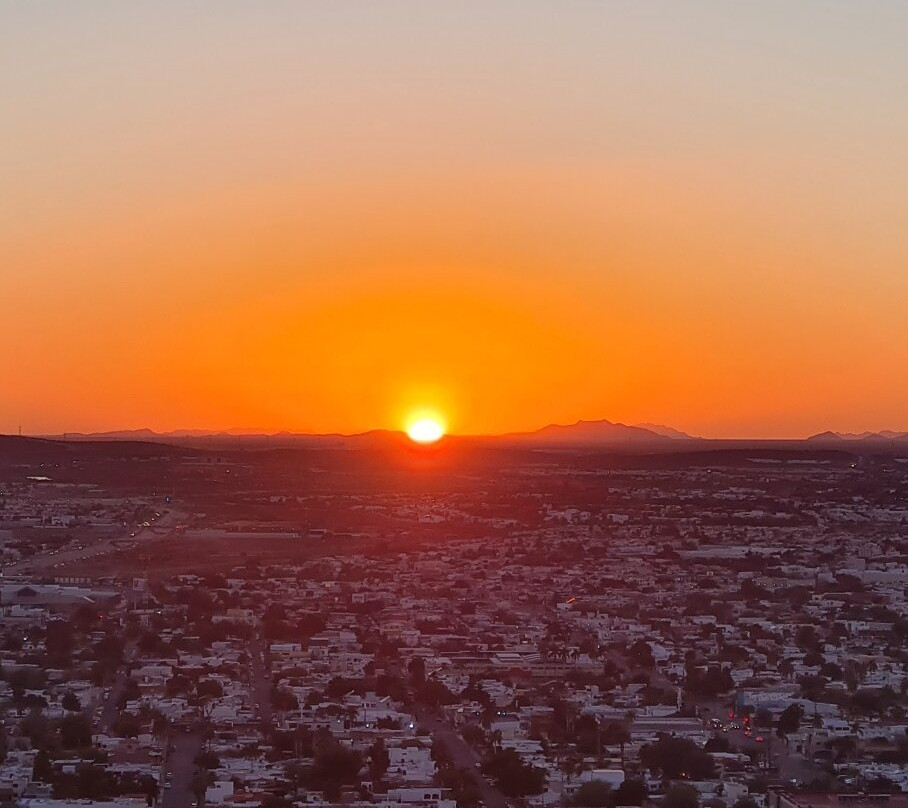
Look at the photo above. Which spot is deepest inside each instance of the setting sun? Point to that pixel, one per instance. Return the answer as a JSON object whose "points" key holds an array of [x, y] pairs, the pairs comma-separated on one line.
{"points": [[425, 430]]}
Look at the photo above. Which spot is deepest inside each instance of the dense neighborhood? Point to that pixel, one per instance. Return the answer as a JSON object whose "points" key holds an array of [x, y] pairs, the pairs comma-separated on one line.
{"points": [[557, 634]]}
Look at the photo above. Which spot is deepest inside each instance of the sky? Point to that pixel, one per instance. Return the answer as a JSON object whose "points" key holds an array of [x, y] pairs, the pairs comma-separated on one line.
{"points": [[329, 216]]}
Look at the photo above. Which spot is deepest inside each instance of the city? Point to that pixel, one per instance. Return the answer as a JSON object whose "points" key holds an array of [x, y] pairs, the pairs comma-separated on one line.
{"points": [[509, 628]]}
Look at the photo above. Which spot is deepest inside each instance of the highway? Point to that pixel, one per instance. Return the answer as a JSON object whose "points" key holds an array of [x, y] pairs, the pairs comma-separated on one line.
{"points": [[162, 528]]}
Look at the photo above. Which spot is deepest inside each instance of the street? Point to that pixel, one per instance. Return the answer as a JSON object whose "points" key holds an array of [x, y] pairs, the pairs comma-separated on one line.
{"points": [[464, 758], [180, 770], [260, 681]]}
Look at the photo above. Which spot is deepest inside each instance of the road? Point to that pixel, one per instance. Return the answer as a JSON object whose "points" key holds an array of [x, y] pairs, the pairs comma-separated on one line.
{"points": [[160, 529], [464, 758], [180, 769], [111, 708], [260, 681], [777, 755]]}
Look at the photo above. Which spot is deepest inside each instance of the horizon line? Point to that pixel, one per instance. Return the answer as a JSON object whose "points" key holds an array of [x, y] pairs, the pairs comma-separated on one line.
{"points": [[257, 432]]}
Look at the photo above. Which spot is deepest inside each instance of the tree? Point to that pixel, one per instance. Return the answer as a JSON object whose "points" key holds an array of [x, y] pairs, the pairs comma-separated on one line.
{"points": [[42, 769], [150, 643], [283, 699], [334, 766], [616, 734], [710, 683], [199, 786], [274, 801], [59, 642], [379, 760], [36, 728], [790, 720], [435, 693], [127, 725], [473, 734], [207, 760], [631, 792], [417, 670], [641, 653], [681, 796], [178, 684], [209, 688], [718, 743], [110, 650], [512, 776], [70, 702], [75, 731], [593, 794], [677, 758]]}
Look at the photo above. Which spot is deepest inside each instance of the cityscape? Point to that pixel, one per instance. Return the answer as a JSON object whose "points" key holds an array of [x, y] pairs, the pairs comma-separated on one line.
{"points": [[511, 627]]}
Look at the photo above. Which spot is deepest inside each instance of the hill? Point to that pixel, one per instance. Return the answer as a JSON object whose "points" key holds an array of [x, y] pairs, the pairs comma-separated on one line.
{"points": [[589, 433]]}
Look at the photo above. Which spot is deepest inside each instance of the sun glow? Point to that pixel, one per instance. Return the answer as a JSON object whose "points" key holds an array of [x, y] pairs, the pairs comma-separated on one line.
{"points": [[426, 429]]}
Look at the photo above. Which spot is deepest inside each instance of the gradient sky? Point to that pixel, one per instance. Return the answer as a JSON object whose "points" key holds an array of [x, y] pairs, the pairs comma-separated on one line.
{"points": [[327, 215]]}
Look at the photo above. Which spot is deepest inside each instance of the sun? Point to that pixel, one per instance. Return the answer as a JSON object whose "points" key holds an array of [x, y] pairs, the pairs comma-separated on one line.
{"points": [[425, 430]]}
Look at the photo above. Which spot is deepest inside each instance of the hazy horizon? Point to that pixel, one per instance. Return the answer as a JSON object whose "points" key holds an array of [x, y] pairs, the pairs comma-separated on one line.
{"points": [[239, 431]]}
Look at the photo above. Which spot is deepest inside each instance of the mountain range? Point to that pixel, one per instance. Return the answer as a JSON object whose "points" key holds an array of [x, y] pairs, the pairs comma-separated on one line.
{"points": [[597, 433], [576, 434], [852, 437], [593, 434]]}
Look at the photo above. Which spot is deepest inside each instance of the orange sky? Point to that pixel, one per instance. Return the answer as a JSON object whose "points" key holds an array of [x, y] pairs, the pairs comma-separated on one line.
{"points": [[326, 216]]}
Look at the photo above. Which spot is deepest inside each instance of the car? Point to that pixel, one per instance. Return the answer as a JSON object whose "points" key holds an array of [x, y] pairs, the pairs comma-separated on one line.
{"points": [[759, 739]]}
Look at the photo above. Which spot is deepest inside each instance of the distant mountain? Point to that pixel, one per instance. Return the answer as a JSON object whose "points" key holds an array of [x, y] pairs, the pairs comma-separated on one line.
{"points": [[238, 439], [884, 436], [18, 449], [581, 433], [826, 436], [588, 433], [118, 434], [645, 437], [666, 431]]}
